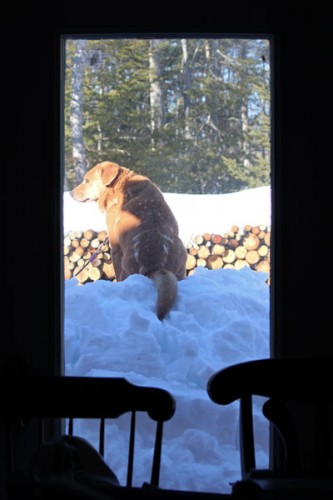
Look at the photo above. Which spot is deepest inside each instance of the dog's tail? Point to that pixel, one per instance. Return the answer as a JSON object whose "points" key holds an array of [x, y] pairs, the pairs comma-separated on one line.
{"points": [[167, 288]]}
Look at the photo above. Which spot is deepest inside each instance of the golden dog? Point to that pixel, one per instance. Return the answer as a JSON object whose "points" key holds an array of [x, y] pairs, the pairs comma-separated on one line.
{"points": [[142, 230]]}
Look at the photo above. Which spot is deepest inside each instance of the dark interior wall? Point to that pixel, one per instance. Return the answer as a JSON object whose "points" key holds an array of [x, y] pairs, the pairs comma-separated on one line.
{"points": [[302, 189], [30, 194], [30, 190], [30, 208], [301, 275]]}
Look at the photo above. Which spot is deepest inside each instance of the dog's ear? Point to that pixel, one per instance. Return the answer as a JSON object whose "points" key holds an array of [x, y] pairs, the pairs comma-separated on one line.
{"points": [[109, 172]]}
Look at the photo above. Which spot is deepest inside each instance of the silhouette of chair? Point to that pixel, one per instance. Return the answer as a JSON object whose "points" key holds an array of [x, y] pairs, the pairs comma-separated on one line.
{"points": [[42, 399], [299, 406]]}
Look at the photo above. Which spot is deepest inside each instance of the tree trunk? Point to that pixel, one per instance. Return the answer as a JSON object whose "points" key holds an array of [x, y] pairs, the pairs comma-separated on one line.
{"points": [[186, 87], [215, 69], [76, 114], [244, 119], [156, 91], [245, 126]]}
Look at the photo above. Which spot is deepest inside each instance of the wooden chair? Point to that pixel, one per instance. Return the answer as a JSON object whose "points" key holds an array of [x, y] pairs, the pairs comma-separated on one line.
{"points": [[300, 407], [45, 398]]}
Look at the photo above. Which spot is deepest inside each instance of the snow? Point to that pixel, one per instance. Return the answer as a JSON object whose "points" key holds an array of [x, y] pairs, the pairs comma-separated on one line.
{"points": [[195, 213], [221, 317]]}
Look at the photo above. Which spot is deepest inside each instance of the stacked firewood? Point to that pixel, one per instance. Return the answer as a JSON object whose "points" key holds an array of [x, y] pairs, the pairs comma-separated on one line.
{"points": [[87, 254], [237, 248]]}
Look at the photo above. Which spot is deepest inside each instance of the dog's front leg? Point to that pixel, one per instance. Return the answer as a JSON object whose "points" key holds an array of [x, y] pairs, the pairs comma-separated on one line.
{"points": [[117, 257]]}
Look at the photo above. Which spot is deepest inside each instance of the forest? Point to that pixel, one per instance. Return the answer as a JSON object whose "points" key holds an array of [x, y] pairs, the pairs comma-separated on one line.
{"points": [[192, 114]]}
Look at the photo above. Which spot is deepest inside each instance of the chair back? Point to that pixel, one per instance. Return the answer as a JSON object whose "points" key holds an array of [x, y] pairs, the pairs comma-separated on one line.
{"points": [[48, 398], [299, 405]]}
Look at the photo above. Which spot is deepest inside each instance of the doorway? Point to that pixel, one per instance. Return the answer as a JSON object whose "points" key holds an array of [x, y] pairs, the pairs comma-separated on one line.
{"points": [[194, 115]]}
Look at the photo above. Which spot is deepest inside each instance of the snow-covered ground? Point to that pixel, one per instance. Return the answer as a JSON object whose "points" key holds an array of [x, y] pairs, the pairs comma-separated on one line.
{"points": [[195, 213], [221, 317]]}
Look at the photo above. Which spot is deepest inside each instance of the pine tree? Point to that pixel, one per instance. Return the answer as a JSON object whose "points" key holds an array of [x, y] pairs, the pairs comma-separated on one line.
{"points": [[76, 109], [192, 114]]}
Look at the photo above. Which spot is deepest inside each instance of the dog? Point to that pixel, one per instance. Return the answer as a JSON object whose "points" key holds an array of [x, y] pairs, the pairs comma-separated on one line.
{"points": [[142, 230]]}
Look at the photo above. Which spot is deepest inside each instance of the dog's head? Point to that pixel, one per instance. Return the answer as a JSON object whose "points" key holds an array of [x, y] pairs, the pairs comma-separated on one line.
{"points": [[96, 181]]}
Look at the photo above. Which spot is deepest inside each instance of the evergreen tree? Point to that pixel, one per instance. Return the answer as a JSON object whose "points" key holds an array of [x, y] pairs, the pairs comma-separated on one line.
{"points": [[192, 114]]}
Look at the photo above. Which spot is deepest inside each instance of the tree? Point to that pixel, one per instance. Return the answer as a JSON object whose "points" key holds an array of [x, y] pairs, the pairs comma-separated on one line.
{"points": [[193, 114], [157, 113], [76, 110], [186, 91]]}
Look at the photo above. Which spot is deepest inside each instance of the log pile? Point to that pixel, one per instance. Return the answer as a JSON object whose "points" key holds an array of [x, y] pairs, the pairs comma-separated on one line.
{"points": [[87, 254]]}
